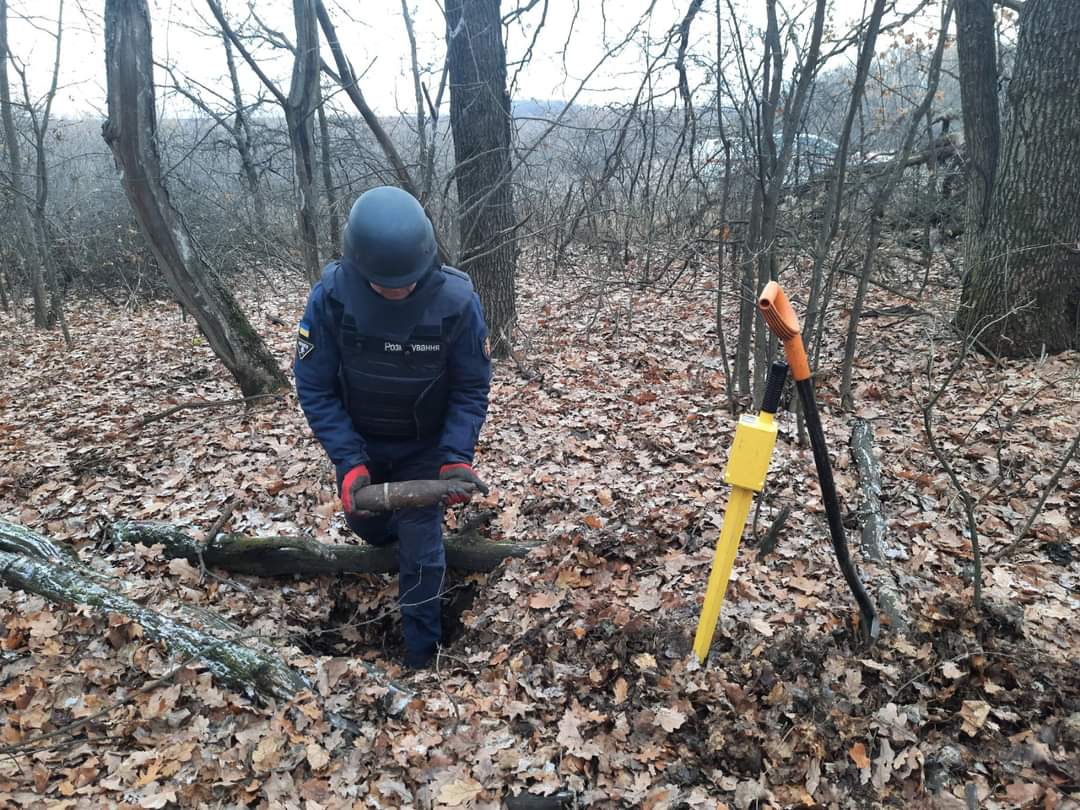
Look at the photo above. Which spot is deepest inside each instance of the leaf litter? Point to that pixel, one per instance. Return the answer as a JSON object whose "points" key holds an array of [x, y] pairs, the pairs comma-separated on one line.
{"points": [[572, 671]]}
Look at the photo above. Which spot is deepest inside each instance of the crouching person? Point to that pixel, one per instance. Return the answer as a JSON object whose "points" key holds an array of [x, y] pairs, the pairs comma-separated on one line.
{"points": [[393, 369]]}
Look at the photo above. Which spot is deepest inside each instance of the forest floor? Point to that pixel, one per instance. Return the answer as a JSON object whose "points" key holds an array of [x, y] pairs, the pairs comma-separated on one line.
{"points": [[572, 670]]}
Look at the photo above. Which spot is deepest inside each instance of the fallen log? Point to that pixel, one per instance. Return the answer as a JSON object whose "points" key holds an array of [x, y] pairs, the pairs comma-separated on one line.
{"points": [[231, 662], [21, 541], [38, 565], [874, 524], [871, 515], [18, 539], [276, 556]]}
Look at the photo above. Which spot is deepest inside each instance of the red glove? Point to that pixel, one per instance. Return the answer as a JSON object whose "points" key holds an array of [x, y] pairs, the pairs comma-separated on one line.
{"points": [[356, 478], [460, 472]]}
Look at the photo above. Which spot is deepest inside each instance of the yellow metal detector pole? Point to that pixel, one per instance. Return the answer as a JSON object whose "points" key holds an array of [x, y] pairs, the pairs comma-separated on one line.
{"points": [[755, 437]]}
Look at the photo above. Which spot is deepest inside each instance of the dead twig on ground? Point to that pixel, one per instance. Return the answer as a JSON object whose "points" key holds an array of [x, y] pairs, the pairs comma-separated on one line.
{"points": [[215, 529], [1050, 487], [205, 403]]}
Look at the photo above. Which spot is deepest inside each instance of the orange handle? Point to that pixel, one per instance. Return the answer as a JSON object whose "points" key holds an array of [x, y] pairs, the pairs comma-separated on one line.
{"points": [[778, 313]]}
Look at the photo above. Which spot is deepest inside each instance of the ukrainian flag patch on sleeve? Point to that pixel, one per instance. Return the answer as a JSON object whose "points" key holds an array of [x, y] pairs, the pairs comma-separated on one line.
{"points": [[304, 346]]}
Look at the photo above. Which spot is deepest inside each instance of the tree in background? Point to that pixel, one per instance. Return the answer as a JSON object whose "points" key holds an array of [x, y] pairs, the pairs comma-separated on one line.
{"points": [[480, 117], [299, 107], [131, 132], [27, 241], [1022, 242]]}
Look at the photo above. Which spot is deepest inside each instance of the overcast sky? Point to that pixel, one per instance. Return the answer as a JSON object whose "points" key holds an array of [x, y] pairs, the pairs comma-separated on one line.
{"points": [[374, 36]]}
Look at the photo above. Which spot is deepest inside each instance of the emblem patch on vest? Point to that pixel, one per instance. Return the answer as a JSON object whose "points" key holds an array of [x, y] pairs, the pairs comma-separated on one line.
{"points": [[487, 347]]}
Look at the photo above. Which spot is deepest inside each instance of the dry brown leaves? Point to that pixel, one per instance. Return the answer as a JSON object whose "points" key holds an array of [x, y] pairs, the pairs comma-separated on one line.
{"points": [[573, 673]]}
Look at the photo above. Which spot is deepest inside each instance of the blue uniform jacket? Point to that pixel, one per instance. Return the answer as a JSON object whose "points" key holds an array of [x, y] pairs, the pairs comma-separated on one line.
{"points": [[319, 373]]}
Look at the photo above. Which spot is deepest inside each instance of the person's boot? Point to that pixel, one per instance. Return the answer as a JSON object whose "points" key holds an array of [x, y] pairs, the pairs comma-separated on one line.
{"points": [[419, 659]]}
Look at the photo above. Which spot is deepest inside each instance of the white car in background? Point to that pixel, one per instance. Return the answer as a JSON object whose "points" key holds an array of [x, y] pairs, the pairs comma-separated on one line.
{"points": [[812, 155]]}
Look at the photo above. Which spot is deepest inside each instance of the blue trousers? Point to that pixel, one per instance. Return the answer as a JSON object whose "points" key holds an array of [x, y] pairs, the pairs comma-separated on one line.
{"points": [[418, 532]]}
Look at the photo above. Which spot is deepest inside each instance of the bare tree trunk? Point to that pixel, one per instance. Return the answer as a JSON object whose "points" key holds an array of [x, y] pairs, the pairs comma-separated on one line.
{"points": [[421, 117], [1022, 286], [747, 294], [334, 244], [27, 243], [480, 118], [877, 209], [979, 96], [299, 107], [39, 124], [830, 221], [5, 305], [763, 218], [130, 132], [299, 115], [245, 145], [689, 119], [350, 84], [722, 242], [791, 120]]}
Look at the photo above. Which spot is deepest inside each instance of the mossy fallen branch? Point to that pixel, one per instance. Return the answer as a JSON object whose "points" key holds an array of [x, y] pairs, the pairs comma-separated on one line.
{"points": [[276, 556], [38, 565], [874, 524]]}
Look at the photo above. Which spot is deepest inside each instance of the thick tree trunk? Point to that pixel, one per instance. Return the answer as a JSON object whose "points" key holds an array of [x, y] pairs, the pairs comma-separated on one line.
{"points": [[480, 118], [278, 556], [979, 97], [299, 116], [130, 132], [1022, 290], [27, 243]]}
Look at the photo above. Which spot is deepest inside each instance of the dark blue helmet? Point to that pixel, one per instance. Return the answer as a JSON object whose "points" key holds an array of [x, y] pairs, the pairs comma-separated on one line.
{"points": [[388, 238]]}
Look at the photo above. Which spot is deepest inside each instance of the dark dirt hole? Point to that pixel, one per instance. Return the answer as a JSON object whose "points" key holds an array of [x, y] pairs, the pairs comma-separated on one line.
{"points": [[353, 628]]}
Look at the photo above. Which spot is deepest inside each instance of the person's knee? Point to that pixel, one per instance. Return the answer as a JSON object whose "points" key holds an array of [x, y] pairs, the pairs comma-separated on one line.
{"points": [[373, 530], [421, 542]]}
